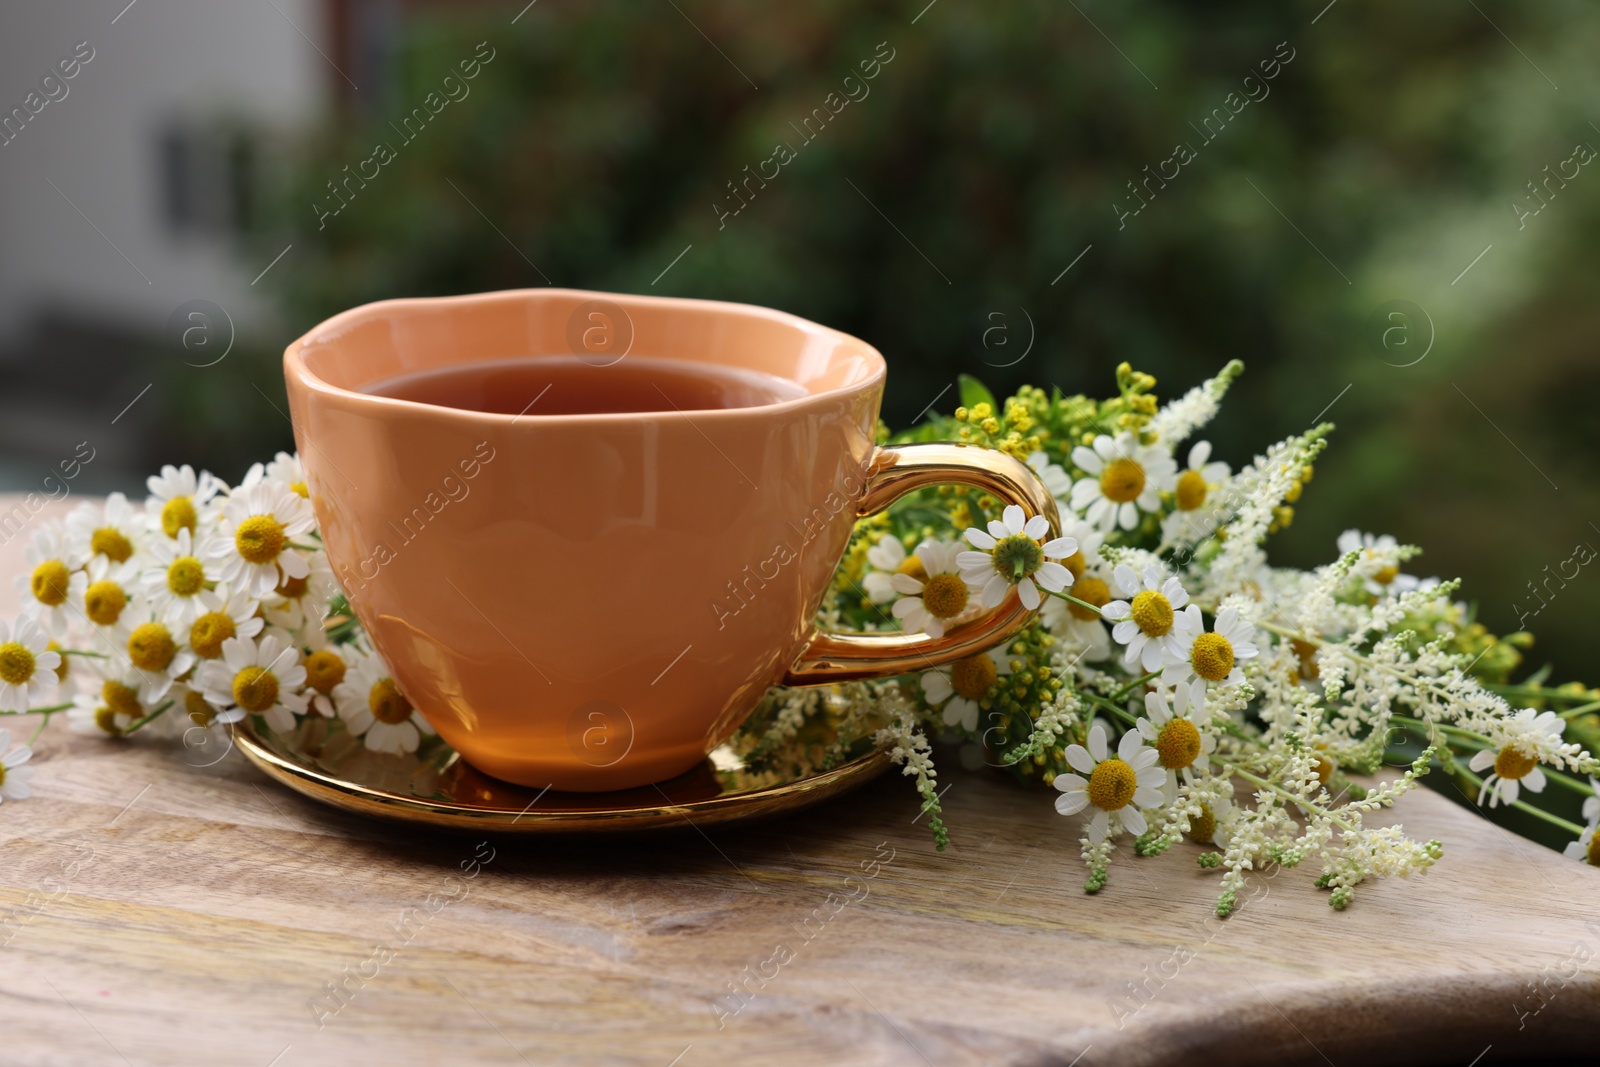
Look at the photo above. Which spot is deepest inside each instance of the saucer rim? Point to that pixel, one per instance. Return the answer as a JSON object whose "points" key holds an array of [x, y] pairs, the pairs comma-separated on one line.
{"points": [[726, 808]]}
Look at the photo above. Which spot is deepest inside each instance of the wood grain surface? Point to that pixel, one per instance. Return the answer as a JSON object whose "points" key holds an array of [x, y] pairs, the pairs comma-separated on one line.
{"points": [[153, 912]]}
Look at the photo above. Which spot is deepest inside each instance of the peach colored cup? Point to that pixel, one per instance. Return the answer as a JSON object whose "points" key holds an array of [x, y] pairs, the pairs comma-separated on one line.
{"points": [[596, 601]]}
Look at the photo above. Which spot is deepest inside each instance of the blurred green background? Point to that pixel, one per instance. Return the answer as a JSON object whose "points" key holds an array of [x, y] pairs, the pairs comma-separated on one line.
{"points": [[935, 215]]}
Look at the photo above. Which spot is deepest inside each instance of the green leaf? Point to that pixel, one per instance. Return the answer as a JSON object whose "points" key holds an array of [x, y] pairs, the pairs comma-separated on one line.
{"points": [[974, 392]]}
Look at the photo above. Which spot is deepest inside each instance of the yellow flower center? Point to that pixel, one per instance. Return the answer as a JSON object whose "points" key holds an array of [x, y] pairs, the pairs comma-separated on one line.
{"points": [[1178, 744], [1307, 653], [1386, 575], [1076, 564], [178, 514], [299, 489], [324, 670], [972, 677], [387, 704], [16, 663], [198, 708], [1092, 591], [1112, 784], [945, 596], [1594, 851], [255, 689], [260, 539], [293, 588], [208, 633], [1513, 763], [1324, 768], [49, 582], [186, 576], [1122, 480], [151, 647], [912, 565], [109, 542], [1191, 492], [120, 699], [61, 668], [1016, 557], [1203, 827], [103, 603], [1153, 612], [1212, 657], [106, 720]]}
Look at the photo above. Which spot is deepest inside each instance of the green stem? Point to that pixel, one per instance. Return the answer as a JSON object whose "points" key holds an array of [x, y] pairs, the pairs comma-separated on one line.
{"points": [[1520, 805], [153, 715], [51, 710], [1136, 683], [1115, 709], [1070, 599], [44, 719], [1581, 709], [82, 652], [1536, 692], [1295, 798]]}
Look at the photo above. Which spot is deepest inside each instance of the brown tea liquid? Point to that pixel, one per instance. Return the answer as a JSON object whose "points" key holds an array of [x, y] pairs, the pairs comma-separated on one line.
{"points": [[566, 385]]}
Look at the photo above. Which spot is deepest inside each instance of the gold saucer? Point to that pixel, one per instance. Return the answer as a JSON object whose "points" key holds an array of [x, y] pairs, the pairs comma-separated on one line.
{"points": [[434, 786]]}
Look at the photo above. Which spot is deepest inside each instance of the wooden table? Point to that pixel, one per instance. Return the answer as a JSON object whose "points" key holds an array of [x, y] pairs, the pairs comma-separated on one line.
{"points": [[158, 913]]}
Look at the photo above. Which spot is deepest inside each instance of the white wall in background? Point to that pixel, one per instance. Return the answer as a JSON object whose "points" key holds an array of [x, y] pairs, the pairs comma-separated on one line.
{"points": [[160, 61]]}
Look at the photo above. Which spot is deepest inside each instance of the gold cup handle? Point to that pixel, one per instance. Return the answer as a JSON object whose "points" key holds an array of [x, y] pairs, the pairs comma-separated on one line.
{"points": [[895, 471]]}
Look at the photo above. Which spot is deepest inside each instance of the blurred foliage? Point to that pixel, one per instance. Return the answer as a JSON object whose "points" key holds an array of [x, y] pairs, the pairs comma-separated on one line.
{"points": [[935, 217]]}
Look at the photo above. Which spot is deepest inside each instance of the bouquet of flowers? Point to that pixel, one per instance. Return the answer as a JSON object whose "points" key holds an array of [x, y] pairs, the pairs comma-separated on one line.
{"points": [[1172, 685]]}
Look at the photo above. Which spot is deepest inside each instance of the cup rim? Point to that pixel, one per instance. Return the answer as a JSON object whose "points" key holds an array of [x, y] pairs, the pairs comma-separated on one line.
{"points": [[296, 368]]}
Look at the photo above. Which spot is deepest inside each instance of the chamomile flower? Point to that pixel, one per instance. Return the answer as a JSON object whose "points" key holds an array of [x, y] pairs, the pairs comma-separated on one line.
{"points": [[91, 715], [13, 775], [1586, 847], [110, 597], [1144, 621], [1116, 785], [176, 581], [1528, 737], [1196, 514], [302, 603], [1012, 554], [1208, 827], [1083, 631], [257, 678], [1198, 479], [1053, 475], [284, 470], [27, 666], [229, 615], [252, 549], [113, 529], [962, 684], [179, 498], [326, 668], [929, 603], [1124, 478], [55, 580], [372, 706], [886, 559], [1379, 567], [159, 655], [1181, 741], [1196, 656]]}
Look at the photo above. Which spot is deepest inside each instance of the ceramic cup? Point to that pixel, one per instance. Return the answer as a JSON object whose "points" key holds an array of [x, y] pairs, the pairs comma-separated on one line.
{"points": [[596, 601]]}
